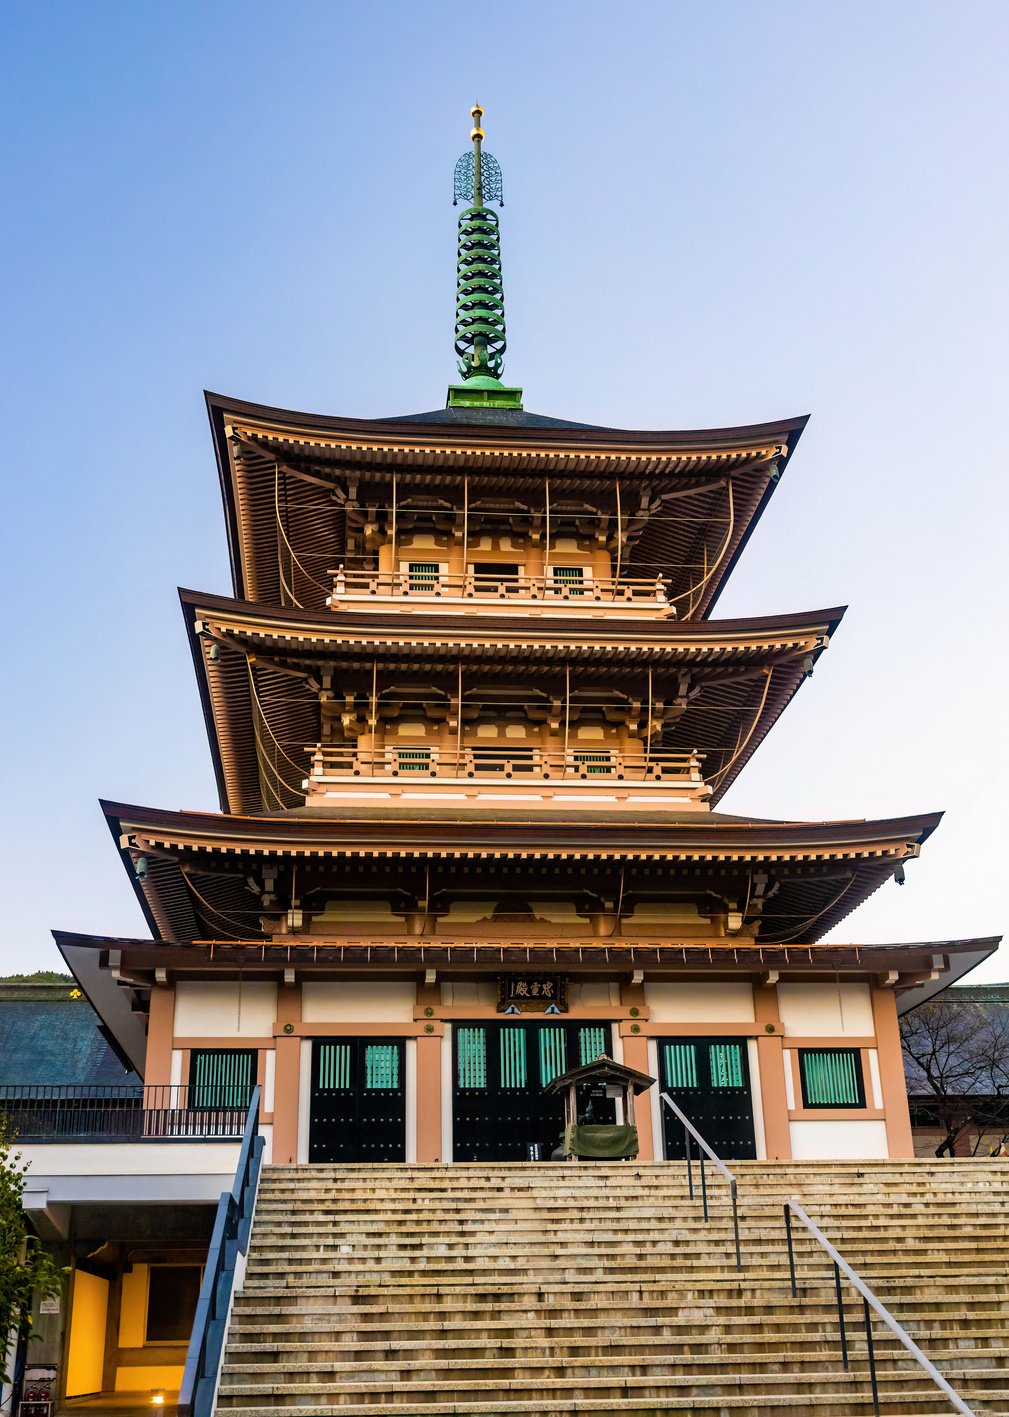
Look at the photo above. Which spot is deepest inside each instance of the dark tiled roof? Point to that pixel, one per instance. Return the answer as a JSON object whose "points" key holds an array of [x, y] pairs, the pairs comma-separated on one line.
{"points": [[48, 1037], [490, 418]]}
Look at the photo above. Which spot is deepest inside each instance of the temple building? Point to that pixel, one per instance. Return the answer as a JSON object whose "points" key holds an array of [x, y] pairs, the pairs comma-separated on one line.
{"points": [[473, 716]]}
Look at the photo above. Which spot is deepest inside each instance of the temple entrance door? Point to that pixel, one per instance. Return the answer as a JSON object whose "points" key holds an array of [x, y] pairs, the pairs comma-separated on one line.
{"points": [[709, 1080], [499, 1070], [358, 1108]]}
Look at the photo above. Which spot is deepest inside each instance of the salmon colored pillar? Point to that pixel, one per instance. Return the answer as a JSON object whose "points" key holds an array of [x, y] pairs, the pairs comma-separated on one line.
{"points": [[899, 1142], [429, 1096], [160, 1036], [287, 1077], [771, 1063], [636, 1056]]}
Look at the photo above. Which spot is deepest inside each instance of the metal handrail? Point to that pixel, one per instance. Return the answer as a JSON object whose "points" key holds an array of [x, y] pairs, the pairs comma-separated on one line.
{"points": [[228, 1246], [689, 1130], [869, 1301]]}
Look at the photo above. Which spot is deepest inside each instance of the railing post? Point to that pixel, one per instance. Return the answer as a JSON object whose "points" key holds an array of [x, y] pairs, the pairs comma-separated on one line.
{"points": [[872, 1356], [791, 1253], [704, 1188], [690, 1165], [840, 1316]]}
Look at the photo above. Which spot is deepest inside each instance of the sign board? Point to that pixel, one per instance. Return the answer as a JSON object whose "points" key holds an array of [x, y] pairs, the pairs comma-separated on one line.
{"points": [[532, 993], [49, 1306]]}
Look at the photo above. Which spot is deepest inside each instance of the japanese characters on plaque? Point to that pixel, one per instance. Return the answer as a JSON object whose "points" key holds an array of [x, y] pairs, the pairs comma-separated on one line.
{"points": [[532, 993]]}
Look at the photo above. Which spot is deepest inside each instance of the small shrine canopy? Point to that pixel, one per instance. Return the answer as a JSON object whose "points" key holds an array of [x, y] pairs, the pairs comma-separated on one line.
{"points": [[291, 480], [602, 1070]]}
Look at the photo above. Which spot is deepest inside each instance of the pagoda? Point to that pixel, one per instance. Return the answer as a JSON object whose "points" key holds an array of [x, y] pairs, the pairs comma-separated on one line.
{"points": [[472, 718]]}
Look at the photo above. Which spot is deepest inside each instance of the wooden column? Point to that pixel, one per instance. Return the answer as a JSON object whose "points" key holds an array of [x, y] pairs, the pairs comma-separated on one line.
{"points": [[771, 1064], [428, 1109], [160, 1036], [636, 1056], [287, 1078], [899, 1141]]}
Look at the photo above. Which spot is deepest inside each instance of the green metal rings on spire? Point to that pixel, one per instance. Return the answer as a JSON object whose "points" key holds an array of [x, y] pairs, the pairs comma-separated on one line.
{"points": [[479, 312]]}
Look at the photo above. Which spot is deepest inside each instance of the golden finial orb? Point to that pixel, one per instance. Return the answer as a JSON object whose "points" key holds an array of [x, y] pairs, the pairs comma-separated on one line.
{"points": [[476, 113]]}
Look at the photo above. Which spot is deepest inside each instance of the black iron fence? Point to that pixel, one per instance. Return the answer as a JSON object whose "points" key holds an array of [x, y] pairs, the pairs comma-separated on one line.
{"points": [[122, 1112]]}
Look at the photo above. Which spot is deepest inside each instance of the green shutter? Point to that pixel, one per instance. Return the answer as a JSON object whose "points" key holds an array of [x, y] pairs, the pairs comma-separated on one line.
{"points": [[424, 575], [514, 1072], [413, 759], [221, 1077], [726, 1060], [552, 1054], [591, 1043], [381, 1067], [681, 1066], [334, 1067], [594, 762], [831, 1077], [471, 1054], [568, 578]]}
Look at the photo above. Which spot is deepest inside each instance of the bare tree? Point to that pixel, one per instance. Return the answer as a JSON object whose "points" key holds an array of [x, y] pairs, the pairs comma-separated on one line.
{"points": [[957, 1050]]}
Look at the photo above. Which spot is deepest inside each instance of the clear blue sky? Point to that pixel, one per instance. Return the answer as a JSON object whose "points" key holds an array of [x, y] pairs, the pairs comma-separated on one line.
{"points": [[716, 213]]}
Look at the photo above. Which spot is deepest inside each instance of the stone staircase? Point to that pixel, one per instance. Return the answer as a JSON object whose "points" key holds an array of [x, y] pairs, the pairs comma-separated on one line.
{"points": [[562, 1289]]}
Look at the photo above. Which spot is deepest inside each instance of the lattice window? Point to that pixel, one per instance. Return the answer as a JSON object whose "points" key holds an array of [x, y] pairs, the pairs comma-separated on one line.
{"points": [[334, 1067], [514, 1069], [221, 1077], [424, 575], [681, 1065], [831, 1077], [568, 579], [413, 759], [471, 1056], [591, 1043], [381, 1067], [726, 1062], [593, 762], [553, 1050]]}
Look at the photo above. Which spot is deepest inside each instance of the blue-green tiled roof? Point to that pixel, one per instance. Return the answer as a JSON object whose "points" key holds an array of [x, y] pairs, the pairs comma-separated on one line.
{"points": [[48, 1037]]}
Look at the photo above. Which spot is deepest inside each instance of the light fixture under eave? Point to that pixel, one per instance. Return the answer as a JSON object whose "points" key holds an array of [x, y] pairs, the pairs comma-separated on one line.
{"points": [[158, 1397]]}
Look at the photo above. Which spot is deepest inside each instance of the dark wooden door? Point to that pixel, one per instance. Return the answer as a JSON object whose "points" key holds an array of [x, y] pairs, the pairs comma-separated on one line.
{"points": [[499, 1071], [358, 1110], [709, 1080]]}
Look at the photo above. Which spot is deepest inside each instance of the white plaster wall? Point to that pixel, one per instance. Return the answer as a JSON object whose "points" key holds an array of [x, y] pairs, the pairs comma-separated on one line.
{"points": [[212, 1009], [730, 1002], [467, 993], [757, 1099], [269, 1080], [410, 1098], [378, 1001], [447, 1082], [593, 994], [826, 1010], [304, 1099], [874, 1079], [788, 1054], [135, 1158], [654, 1098], [838, 1141]]}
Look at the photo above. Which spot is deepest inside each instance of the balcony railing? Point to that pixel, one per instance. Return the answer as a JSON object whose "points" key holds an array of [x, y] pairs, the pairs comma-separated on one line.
{"points": [[575, 764], [124, 1112], [431, 583]]}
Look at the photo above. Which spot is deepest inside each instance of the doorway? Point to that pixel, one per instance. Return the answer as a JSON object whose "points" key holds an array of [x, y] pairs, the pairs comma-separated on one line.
{"points": [[358, 1102], [499, 1070], [709, 1080]]}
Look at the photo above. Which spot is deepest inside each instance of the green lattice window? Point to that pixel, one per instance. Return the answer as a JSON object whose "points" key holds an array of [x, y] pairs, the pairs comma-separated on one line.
{"points": [[569, 579], [514, 1069], [221, 1077], [381, 1067], [591, 1043], [424, 575], [334, 1067], [471, 1057], [553, 1051], [413, 759], [593, 762], [726, 1062], [831, 1077], [681, 1065]]}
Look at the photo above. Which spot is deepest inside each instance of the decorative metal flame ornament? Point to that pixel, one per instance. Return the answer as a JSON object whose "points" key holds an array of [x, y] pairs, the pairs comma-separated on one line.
{"points": [[480, 338]]}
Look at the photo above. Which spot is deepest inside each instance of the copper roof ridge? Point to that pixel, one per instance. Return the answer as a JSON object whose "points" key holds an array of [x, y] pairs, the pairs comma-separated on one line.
{"points": [[410, 432]]}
